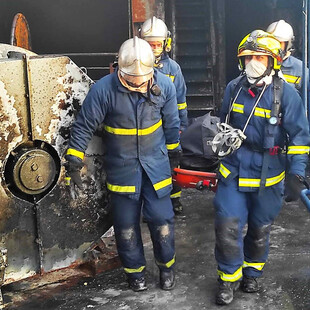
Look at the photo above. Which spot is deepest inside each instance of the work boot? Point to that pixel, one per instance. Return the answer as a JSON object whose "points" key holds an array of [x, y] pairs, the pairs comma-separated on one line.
{"points": [[167, 280], [225, 293], [177, 206], [137, 285], [249, 284]]}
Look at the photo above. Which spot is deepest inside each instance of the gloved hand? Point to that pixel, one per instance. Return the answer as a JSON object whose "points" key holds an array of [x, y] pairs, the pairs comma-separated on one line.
{"points": [[174, 158], [294, 185], [73, 177]]}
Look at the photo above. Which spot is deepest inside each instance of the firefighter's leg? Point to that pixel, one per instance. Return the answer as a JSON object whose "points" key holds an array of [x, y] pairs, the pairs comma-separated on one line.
{"points": [[230, 217], [126, 220], [160, 219], [264, 208], [175, 199]]}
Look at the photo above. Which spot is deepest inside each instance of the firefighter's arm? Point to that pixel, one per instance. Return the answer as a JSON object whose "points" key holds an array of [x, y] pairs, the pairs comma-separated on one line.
{"points": [[296, 126], [226, 102], [91, 115], [171, 120], [180, 86]]}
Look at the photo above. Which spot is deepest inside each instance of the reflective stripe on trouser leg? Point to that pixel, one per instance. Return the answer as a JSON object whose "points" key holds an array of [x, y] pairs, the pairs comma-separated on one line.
{"points": [[230, 217], [126, 220], [160, 218], [264, 209], [176, 191]]}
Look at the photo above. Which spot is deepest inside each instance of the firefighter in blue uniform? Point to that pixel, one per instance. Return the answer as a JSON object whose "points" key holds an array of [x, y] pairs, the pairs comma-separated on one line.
{"points": [[252, 142], [155, 32], [291, 66], [138, 109]]}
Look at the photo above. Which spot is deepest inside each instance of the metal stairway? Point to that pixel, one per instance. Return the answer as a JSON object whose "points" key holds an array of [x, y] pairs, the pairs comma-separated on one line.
{"points": [[192, 50]]}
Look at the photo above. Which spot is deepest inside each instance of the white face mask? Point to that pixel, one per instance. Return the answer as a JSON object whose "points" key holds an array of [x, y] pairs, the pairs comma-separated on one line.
{"points": [[254, 69]]}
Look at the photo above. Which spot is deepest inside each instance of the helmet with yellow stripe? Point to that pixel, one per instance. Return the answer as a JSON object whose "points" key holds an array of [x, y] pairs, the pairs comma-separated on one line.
{"points": [[259, 42]]}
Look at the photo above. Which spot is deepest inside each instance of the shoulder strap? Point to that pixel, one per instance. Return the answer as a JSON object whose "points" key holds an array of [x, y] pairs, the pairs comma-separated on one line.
{"points": [[276, 104]]}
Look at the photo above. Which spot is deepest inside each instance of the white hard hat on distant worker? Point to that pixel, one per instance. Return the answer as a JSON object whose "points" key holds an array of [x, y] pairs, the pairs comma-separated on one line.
{"points": [[283, 31], [155, 30]]}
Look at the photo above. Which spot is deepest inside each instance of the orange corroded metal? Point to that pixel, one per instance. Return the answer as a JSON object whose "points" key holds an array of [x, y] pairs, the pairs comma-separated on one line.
{"points": [[20, 35], [142, 10]]}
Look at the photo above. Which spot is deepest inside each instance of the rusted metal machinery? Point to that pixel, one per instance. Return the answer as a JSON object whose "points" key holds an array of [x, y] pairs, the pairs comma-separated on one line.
{"points": [[42, 228]]}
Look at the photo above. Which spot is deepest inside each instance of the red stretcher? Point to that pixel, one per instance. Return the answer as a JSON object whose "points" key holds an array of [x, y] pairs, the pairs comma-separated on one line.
{"points": [[195, 179]]}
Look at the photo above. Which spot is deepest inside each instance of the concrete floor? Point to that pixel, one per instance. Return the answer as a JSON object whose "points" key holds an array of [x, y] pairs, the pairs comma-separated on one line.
{"points": [[284, 286]]}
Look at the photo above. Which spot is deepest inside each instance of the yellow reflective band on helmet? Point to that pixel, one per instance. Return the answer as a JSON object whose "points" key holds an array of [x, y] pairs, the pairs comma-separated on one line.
{"points": [[292, 79], [75, 153], [171, 77], [167, 265], [162, 184], [176, 195], [133, 131], [239, 108], [224, 171], [258, 266], [256, 182], [172, 146], [67, 180], [182, 106], [262, 112], [130, 270], [121, 189], [298, 149], [230, 277]]}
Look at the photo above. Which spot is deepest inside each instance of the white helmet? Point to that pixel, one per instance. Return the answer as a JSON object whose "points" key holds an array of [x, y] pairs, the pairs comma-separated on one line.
{"points": [[154, 29], [136, 60], [282, 31]]}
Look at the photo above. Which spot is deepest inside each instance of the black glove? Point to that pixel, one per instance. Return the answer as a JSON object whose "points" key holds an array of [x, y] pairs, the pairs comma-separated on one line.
{"points": [[73, 177], [294, 185], [174, 158]]}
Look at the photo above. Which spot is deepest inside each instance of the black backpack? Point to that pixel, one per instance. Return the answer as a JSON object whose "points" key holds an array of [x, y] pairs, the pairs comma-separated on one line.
{"points": [[196, 143]]}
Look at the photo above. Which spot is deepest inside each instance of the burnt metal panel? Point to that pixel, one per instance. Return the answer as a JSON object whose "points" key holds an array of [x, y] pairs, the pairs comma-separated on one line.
{"points": [[44, 229]]}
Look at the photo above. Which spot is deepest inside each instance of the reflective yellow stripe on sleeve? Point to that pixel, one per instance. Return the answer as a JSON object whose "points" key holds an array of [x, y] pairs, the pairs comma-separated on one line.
{"points": [[121, 189], [167, 265], [298, 149], [182, 106], [162, 184], [292, 78], [258, 266], [131, 270], [256, 182], [230, 277], [224, 171], [75, 153], [171, 77], [172, 146], [133, 131], [239, 108]]}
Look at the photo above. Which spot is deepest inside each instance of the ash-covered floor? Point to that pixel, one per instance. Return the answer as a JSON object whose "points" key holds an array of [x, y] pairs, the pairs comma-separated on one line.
{"points": [[284, 286]]}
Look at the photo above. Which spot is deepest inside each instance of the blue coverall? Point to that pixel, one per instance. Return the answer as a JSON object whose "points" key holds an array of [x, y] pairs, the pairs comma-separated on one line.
{"points": [[238, 200], [171, 68], [292, 71], [139, 130]]}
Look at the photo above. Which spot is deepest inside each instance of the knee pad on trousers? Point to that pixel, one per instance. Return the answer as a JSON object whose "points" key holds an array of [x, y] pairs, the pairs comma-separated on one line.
{"points": [[127, 237], [227, 233], [258, 237]]}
